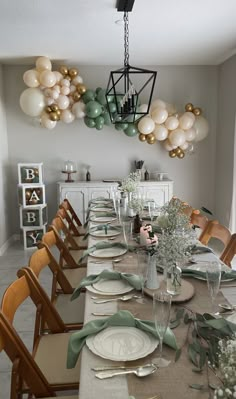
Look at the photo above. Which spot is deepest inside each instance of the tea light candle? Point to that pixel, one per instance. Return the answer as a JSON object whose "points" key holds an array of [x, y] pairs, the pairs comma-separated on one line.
{"points": [[69, 166]]}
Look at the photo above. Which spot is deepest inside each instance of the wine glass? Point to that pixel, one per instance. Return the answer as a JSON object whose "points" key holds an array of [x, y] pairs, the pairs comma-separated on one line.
{"points": [[161, 314], [142, 263], [213, 276], [127, 230], [151, 209]]}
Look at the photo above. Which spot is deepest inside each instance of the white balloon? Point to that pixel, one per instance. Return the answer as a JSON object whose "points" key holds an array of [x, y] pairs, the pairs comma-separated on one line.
{"points": [[159, 115], [77, 80], [161, 132], [190, 115], [55, 94], [184, 146], [190, 134], [65, 90], [172, 123], [49, 101], [46, 122], [31, 78], [202, 128], [43, 63], [47, 78], [58, 76], [186, 121], [177, 137], [78, 109], [57, 88], [146, 125], [67, 116], [171, 109], [47, 92], [157, 103], [32, 101], [72, 88], [63, 101], [143, 108], [65, 82], [167, 145]]}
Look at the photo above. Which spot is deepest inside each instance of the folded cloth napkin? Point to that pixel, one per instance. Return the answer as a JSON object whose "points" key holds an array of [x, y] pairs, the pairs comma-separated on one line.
{"points": [[132, 279], [199, 249], [229, 275], [121, 318], [104, 227], [103, 245], [101, 214], [93, 201]]}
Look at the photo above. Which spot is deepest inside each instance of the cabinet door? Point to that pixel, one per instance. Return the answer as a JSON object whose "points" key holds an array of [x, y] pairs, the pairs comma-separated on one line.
{"points": [[160, 194], [95, 192], [78, 199]]}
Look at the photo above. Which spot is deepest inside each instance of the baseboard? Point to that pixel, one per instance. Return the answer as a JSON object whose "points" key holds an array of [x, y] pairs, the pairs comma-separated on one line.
{"points": [[8, 243]]}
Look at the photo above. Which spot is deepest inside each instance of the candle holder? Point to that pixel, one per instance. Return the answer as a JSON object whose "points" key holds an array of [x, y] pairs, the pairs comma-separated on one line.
{"points": [[69, 168]]}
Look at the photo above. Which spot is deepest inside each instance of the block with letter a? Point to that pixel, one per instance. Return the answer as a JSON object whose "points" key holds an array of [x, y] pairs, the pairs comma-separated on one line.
{"points": [[30, 196]]}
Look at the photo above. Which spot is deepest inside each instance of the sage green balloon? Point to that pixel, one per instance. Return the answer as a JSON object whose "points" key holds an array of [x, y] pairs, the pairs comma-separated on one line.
{"points": [[99, 120], [101, 97], [98, 89], [131, 130], [107, 119], [89, 122], [89, 95], [112, 107], [93, 109], [121, 126]]}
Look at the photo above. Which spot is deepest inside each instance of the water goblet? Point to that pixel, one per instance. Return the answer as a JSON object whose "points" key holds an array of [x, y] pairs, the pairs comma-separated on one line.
{"points": [[213, 276], [151, 209], [142, 263], [161, 315], [127, 230]]}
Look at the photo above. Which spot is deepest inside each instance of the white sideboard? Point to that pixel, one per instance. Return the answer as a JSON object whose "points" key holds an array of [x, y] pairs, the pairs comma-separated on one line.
{"points": [[80, 193]]}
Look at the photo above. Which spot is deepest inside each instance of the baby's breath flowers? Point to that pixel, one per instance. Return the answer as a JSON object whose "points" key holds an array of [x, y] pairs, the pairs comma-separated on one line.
{"points": [[227, 368], [130, 183]]}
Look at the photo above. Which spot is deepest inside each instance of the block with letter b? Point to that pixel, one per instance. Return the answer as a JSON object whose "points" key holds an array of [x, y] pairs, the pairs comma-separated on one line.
{"points": [[31, 196], [32, 236], [33, 217], [30, 173]]}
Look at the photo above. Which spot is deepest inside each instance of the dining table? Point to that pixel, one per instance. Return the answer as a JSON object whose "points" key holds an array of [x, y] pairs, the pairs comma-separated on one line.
{"points": [[177, 380]]}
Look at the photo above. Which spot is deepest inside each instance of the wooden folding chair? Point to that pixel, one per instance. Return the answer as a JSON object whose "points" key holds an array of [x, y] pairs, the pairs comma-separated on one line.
{"points": [[43, 372], [198, 220], [74, 242], [71, 312], [229, 251], [216, 230], [73, 221]]}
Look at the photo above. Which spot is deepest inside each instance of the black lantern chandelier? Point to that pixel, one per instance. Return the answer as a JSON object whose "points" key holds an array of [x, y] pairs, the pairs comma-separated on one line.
{"points": [[126, 84]]}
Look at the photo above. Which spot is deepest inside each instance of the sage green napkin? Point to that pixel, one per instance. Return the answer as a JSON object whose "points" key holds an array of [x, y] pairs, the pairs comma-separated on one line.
{"points": [[229, 275], [102, 214], [104, 227], [121, 318], [103, 245], [132, 279], [199, 249]]}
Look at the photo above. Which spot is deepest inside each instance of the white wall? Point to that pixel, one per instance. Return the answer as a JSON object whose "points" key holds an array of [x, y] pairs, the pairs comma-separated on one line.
{"points": [[4, 194], [225, 139], [110, 152]]}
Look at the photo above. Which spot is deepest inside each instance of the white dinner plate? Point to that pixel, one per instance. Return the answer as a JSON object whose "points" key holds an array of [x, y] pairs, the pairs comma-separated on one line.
{"points": [[108, 252], [202, 267], [122, 343], [102, 201], [101, 209], [112, 287], [102, 233], [102, 219]]}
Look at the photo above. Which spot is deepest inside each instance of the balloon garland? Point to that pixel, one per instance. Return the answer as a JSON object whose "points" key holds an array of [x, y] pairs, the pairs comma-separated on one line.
{"points": [[55, 96]]}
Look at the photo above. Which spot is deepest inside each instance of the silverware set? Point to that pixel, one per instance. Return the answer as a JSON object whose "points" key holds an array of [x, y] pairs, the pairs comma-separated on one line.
{"points": [[123, 298], [112, 371]]}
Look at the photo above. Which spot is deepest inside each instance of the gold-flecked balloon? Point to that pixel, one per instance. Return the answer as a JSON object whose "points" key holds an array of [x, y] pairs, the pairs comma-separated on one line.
{"points": [[142, 137], [54, 107], [53, 116], [189, 107], [181, 155], [178, 150], [197, 111], [151, 138], [48, 109], [63, 70], [76, 96], [73, 72], [172, 154], [81, 88]]}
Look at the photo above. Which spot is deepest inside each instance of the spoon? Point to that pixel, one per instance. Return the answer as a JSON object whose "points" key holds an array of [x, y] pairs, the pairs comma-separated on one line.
{"points": [[139, 372], [116, 260], [120, 298]]}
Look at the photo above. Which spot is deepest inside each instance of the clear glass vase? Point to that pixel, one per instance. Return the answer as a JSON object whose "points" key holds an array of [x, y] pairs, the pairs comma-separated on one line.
{"points": [[174, 279], [152, 276]]}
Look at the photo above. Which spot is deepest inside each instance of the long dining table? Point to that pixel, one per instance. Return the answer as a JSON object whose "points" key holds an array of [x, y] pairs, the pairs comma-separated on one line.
{"points": [[177, 380]]}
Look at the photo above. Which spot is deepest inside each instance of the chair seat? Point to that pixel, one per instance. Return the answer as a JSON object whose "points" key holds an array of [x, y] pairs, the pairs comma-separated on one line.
{"points": [[80, 242], [71, 312], [76, 254], [81, 230], [74, 276], [51, 357]]}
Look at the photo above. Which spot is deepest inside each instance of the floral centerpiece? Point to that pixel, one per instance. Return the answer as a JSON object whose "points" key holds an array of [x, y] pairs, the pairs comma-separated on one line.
{"points": [[227, 368], [130, 183]]}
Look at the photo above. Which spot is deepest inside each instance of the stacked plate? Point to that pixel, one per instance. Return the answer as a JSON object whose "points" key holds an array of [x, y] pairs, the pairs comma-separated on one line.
{"points": [[110, 287]]}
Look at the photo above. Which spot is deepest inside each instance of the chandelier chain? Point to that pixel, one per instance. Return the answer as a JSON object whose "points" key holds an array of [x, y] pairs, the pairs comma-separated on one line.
{"points": [[126, 38]]}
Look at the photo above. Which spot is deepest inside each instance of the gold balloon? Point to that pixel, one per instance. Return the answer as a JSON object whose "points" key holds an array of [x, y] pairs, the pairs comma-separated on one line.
{"points": [[81, 88], [68, 78], [151, 138], [58, 112], [172, 154], [189, 107], [63, 70], [142, 137], [53, 116], [27, 194], [54, 107], [48, 109], [73, 72], [178, 151], [197, 111], [76, 96], [181, 155]]}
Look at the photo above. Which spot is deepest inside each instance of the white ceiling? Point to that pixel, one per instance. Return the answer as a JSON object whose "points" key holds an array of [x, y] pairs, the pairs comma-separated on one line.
{"points": [[84, 32]]}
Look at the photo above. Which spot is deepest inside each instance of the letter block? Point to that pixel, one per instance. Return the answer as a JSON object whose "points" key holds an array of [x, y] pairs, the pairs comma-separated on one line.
{"points": [[29, 173], [31, 196], [32, 236], [33, 217]]}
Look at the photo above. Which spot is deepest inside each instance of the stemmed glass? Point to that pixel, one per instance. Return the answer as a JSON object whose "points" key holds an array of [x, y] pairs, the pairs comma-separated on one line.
{"points": [[151, 209], [142, 261], [213, 276], [161, 314]]}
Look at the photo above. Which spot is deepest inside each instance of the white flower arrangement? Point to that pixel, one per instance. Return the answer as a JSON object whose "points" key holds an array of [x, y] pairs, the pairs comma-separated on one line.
{"points": [[227, 368], [130, 183], [137, 204]]}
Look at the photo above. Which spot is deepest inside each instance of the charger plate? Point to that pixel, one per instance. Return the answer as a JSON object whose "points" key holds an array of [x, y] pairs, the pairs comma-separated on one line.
{"points": [[122, 343], [101, 209], [101, 233], [108, 252], [102, 219], [187, 291]]}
